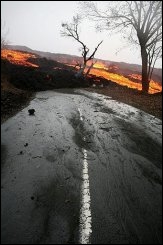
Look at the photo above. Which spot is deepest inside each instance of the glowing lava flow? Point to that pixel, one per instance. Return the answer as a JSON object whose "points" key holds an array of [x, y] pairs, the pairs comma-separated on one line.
{"points": [[18, 57], [154, 86], [100, 71], [133, 80]]}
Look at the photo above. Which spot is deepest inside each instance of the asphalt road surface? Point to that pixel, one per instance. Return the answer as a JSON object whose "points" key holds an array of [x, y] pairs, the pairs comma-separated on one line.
{"points": [[84, 169]]}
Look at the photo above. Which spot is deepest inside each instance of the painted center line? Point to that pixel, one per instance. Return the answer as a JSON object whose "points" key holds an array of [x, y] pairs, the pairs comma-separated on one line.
{"points": [[85, 211]]}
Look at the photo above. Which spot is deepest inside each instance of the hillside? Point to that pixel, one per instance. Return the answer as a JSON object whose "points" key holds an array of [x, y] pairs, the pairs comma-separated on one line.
{"points": [[24, 72], [120, 68]]}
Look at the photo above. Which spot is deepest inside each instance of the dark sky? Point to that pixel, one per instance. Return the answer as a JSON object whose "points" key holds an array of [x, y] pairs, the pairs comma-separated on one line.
{"points": [[37, 24]]}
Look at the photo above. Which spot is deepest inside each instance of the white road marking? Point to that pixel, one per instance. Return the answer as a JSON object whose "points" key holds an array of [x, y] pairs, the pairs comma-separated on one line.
{"points": [[85, 211], [81, 117]]}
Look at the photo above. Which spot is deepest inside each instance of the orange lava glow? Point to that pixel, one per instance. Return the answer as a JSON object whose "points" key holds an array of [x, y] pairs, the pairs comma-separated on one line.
{"points": [[154, 86], [18, 57], [100, 70], [135, 76], [100, 65]]}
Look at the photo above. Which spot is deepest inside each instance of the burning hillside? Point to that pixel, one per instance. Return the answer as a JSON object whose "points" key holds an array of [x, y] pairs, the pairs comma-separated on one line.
{"points": [[100, 65], [18, 57], [108, 71], [131, 81], [112, 72], [25, 72]]}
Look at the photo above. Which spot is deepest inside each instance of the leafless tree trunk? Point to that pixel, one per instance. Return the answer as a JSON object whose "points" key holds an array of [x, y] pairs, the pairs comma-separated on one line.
{"points": [[90, 67], [145, 79], [4, 33], [140, 21], [71, 30]]}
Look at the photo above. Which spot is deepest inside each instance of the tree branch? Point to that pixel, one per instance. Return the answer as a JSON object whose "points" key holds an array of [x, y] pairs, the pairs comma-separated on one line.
{"points": [[92, 55]]}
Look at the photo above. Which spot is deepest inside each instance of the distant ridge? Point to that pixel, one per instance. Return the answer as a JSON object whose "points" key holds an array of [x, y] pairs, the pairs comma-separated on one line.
{"points": [[19, 47]]}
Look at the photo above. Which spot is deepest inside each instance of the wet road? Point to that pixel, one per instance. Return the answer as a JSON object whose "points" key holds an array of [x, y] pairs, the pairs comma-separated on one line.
{"points": [[84, 169]]}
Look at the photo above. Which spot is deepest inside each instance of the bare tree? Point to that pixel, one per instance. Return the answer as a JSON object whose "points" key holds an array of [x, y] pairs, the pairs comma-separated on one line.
{"points": [[3, 42], [141, 21], [72, 30], [4, 33]]}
